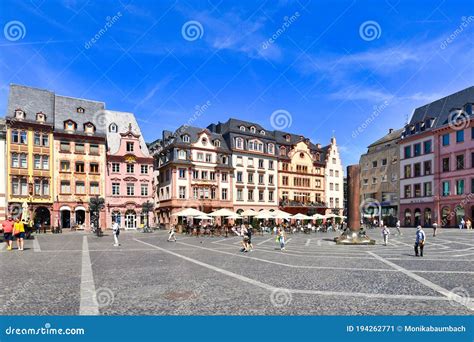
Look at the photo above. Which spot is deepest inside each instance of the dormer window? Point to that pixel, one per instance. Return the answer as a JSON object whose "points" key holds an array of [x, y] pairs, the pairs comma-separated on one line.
{"points": [[19, 114], [252, 129], [217, 143], [239, 143], [182, 154], [70, 125], [185, 138], [113, 128], [80, 110], [242, 128], [287, 137], [262, 132], [271, 148], [204, 141], [282, 151], [89, 128], [318, 157], [40, 117]]}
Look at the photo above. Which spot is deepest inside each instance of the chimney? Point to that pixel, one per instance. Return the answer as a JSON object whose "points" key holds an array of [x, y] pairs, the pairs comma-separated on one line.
{"points": [[390, 130], [318, 146]]}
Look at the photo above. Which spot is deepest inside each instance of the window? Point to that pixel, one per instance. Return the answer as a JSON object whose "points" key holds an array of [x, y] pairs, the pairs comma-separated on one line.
{"points": [[19, 186], [130, 189], [270, 164], [115, 189], [407, 171], [336, 185], [250, 195], [240, 196], [239, 143], [417, 169], [224, 176], [270, 179], [65, 166], [185, 138], [374, 180], [144, 189], [130, 146], [224, 194], [130, 168], [460, 162], [208, 158], [195, 174], [250, 177], [37, 139], [79, 148], [427, 147], [460, 136], [94, 188], [182, 192], [239, 177], [331, 172], [427, 167], [242, 128], [384, 162], [217, 143], [94, 167], [113, 128], [182, 173], [407, 151], [212, 175], [445, 139], [445, 164], [260, 179], [94, 149], [80, 188], [144, 169], [334, 160], [80, 167], [250, 162], [270, 196], [460, 187], [252, 129], [284, 180], [260, 164], [271, 148], [181, 154], [407, 191], [203, 174], [200, 156], [65, 187], [427, 189], [64, 146], [417, 149], [195, 193], [374, 164], [15, 160], [282, 151], [261, 196], [115, 167], [446, 191], [37, 162], [239, 161]]}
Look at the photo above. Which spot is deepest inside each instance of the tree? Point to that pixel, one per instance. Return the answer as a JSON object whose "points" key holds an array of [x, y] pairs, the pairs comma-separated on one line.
{"points": [[96, 204], [146, 208]]}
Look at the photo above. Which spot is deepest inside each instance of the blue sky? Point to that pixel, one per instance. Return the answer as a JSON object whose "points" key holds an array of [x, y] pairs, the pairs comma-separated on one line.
{"points": [[245, 59]]}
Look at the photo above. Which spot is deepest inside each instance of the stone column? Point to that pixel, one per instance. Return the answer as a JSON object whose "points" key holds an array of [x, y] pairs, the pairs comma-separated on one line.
{"points": [[353, 197]]}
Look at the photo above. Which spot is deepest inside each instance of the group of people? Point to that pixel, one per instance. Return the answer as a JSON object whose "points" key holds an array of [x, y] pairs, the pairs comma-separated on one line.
{"points": [[14, 229], [465, 224], [420, 237]]}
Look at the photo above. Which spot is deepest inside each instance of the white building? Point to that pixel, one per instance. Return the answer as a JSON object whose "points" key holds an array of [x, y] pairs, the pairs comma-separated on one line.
{"points": [[334, 179]]}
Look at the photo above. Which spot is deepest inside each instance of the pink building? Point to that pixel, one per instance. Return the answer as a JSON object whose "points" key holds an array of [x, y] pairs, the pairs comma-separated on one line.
{"points": [[129, 172], [454, 146]]}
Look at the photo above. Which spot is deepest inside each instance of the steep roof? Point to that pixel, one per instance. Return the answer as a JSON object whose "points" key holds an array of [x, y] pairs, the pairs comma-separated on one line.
{"points": [[122, 120], [66, 108], [441, 108], [394, 135], [31, 101]]}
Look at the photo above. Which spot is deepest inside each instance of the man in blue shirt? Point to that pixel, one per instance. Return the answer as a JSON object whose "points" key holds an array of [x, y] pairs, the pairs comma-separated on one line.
{"points": [[420, 240]]}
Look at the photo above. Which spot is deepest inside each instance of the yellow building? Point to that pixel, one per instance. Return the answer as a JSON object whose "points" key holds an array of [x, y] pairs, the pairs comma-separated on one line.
{"points": [[29, 149], [301, 186]]}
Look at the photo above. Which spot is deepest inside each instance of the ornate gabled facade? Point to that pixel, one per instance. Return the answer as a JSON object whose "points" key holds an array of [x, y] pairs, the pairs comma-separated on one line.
{"points": [[253, 155], [334, 178], [29, 150], [194, 171], [129, 172], [301, 165], [80, 160]]}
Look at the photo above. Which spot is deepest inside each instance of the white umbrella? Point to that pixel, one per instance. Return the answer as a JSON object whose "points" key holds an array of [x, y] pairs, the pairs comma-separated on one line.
{"points": [[280, 214], [300, 216], [264, 215], [222, 212], [341, 216], [234, 217], [330, 216], [190, 212], [318, 217], [248, 212], [203, 217]]}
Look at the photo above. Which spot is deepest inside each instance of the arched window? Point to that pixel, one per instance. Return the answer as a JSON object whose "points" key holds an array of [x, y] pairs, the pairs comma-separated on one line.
{"points": [[217, 143], [252, 129], [19, 114], [239, 143], [271, 148], [427, 217], [70, 125], [185, 138], [40, 117], [113, 128], [242, 128], [282, 151], [407, 217], [459, 210], [89, 127], [445, 217], [262, 132], [417, 217]]}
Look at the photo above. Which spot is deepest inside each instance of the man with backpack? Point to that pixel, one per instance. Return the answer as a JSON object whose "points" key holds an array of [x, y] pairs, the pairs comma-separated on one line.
{"points": [[420, 240]]}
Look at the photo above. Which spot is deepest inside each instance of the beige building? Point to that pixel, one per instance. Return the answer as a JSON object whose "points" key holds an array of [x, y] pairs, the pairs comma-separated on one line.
{"points": [[380, 180], [334, 177]]}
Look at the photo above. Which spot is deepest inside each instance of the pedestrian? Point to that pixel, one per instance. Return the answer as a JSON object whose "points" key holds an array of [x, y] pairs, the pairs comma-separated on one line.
{"points": [[420, 240], [398, 227], [116, 233], [245, 238], [8, 232], [435, 227], [19, 232], [249, 242], [462, 223], [385, 234], [468, 224], [172, 234], [282, 238]]}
